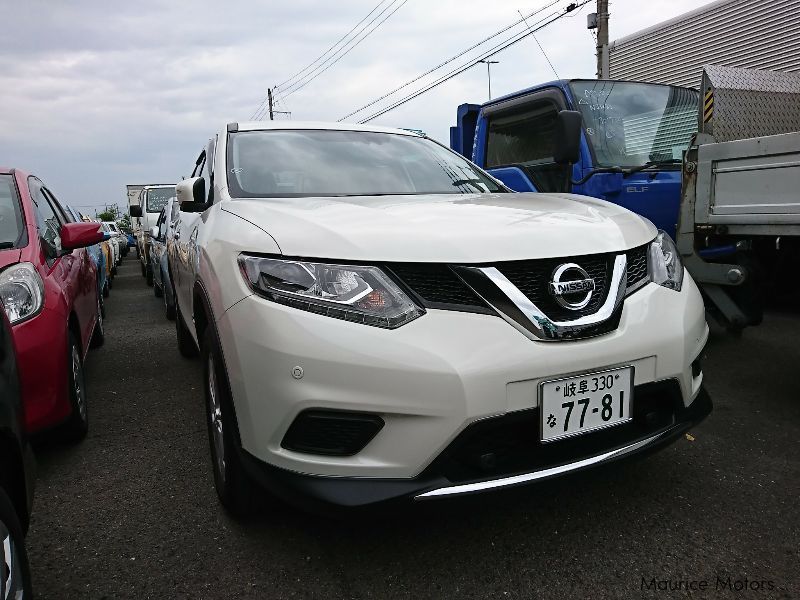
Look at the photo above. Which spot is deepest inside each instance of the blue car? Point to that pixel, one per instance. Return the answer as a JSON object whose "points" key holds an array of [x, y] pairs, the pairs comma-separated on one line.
{"points": [[99, 260]]}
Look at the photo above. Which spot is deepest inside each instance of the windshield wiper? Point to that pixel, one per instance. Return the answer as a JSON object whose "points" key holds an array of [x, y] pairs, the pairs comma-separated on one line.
{"points": [[629, 171], [476, 183], [652, 163]]}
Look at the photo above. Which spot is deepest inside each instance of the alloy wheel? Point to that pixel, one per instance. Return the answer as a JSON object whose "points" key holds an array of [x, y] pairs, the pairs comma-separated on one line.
{"points": [[11, 583], [215, 416]]}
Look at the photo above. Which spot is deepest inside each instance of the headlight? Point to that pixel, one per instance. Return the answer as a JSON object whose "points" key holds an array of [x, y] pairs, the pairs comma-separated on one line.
{"points": [[21, 292], [355, 293], [665, 264]]}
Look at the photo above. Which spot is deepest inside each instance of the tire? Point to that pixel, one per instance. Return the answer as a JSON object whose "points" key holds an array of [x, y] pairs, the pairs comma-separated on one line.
{"points": [[13, 542], [144, 271], [236, 491], [186, 345], [77, 424], [99, 333], [169, 309], [106, 289], [158, 290], [110, 282], [149, 275]]}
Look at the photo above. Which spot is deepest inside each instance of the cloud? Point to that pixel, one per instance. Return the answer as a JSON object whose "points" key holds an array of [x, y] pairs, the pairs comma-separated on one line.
{"points": [[96, 95]]}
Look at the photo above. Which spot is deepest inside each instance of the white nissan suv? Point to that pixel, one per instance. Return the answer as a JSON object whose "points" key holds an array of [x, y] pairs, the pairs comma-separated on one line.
{"points": [[381, 320]]}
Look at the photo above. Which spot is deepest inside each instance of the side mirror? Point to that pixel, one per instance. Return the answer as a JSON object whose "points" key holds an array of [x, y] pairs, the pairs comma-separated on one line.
{"points": [[135, 211], [80, 235], [567, 146], [191, 194], [154, 232]]}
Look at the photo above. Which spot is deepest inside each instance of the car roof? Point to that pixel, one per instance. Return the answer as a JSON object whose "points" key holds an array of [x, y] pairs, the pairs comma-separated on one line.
{"points": [[324, 125]]}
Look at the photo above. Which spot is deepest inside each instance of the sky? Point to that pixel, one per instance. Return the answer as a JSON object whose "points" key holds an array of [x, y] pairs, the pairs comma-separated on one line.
{"points": [[95, 95]]}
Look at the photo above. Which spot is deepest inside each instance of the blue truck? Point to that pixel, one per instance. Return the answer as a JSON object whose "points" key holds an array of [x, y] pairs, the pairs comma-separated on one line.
{"points": [[627, 146]]}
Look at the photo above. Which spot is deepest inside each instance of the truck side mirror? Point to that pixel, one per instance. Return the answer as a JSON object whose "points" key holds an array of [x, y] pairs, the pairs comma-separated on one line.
{"points": [[567, 146], [191, 194], [135, 211]]}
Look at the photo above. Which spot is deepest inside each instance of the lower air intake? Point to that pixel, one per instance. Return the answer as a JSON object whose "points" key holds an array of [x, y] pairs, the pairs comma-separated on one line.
{"points": [[332, 433]]}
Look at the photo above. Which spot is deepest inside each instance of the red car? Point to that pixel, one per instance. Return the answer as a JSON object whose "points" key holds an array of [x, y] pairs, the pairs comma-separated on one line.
{"points": [[48, 287]]}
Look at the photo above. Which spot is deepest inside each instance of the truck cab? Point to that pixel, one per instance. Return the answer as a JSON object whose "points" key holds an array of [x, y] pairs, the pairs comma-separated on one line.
{"points": [[631, 142]]}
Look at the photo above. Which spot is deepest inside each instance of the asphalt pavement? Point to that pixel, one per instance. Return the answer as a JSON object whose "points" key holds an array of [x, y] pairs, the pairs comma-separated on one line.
{"points": [[131, 511]]}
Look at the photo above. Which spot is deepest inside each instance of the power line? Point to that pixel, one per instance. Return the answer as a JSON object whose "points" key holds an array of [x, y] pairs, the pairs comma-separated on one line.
{"points": [[448, 61], [262, 107], [333, 59], [547, 58], [458, 70], [324, 54]]}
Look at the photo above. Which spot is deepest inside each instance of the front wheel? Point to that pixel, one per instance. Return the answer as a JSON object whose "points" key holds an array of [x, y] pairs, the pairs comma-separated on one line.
{"points": [[234, 488], [77, 425], [15, 574], [149, 275]]}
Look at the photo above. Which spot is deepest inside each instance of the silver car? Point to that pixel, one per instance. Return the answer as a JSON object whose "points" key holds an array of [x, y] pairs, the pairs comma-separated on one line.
{"points": [[160, 235]]}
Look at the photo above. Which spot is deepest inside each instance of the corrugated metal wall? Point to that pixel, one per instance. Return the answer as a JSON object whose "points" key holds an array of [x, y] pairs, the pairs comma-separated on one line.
{"points": [[760, 34]]}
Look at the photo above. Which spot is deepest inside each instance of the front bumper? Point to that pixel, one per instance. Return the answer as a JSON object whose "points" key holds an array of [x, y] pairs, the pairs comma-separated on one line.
{"points": [[432, 378], [660, 420]]}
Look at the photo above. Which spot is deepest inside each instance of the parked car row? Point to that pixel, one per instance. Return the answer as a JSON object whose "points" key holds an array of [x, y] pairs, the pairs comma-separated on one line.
{"points": [[54, 268], [379, 319]]}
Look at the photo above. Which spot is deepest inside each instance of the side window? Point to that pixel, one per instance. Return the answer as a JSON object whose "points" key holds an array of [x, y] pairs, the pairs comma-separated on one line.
{"points": [[199, 165], [46, 219], [525, 139], [57, 207]]}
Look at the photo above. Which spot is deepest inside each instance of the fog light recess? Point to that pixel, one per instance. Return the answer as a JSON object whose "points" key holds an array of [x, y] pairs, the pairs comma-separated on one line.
{"points": [[331, 433]]}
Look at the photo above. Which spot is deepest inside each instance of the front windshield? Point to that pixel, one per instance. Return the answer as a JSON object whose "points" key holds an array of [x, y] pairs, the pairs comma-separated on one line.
{"points": [[157, 198], [630, 124], [10, 214], [306, 163]]}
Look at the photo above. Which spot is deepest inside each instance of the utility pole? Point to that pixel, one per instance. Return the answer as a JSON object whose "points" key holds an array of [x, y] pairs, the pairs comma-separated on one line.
{"points": [[489, 64], [269, 98], [602, 39]]}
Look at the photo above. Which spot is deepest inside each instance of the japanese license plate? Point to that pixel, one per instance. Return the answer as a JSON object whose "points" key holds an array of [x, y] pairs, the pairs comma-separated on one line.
{"points": [[577, 405]]}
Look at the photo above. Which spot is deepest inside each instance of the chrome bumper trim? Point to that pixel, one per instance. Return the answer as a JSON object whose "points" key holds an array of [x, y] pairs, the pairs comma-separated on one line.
{"points": [[481, 486]]}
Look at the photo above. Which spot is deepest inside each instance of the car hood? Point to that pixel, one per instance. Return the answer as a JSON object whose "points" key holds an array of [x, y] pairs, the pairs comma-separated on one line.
{"points": [[445, 228]]}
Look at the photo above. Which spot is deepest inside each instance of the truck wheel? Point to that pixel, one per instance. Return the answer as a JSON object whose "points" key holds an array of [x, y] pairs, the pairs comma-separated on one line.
{"points": [[234, 488], [77, 425], [106, 289], [186, 345], [144, 271], [149, 275], [14, 568], [158, 291]]}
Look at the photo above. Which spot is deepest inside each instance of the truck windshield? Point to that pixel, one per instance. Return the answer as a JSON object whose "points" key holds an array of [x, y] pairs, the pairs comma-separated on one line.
{"points": [[10, 214], [157, 198], [630, 124], [309, 163]]}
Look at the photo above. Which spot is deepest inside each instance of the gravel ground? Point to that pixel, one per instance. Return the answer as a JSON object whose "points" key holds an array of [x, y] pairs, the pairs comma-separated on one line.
{"points": [[131, 512]]}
